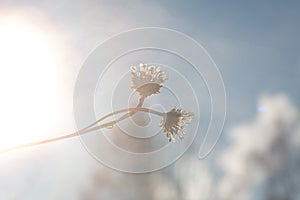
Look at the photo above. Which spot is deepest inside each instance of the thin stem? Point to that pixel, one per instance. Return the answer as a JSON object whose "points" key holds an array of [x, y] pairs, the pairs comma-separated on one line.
{"points": [[112, 123], [84, 130], [140, 104], [103, 118]]}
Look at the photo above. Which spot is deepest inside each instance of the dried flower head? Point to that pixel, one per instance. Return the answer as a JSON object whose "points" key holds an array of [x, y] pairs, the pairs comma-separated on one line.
{"points": [[174, 121], [147, 80]]}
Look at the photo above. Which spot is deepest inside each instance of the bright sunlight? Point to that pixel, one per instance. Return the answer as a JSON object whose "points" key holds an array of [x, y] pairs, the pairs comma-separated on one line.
{"points": [[28, 82]]}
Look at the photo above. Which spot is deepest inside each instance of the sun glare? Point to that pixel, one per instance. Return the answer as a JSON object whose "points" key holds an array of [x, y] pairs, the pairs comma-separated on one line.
{"points": [[28, 82]]}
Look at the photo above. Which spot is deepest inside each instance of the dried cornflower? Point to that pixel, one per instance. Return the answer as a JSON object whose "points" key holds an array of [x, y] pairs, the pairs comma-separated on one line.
{"points": [[147, 80], [174, 121]]}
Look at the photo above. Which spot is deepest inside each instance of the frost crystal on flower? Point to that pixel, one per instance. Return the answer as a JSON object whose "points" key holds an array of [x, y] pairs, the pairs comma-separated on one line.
{"points": [[147, 80], [174, 121]]}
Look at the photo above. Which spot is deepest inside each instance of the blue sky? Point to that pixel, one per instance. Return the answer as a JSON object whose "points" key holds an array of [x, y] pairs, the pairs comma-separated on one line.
{"points": [[255, 44]]}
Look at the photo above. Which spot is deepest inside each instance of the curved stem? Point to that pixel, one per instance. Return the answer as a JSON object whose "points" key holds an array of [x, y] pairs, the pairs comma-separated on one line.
{"points": [[140, 104], [84, 130], [141, 101], [112, 123], [103, 118]]}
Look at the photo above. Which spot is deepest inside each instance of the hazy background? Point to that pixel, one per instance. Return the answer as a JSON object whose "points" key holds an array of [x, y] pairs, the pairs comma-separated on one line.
{"points": [[256, 47]]}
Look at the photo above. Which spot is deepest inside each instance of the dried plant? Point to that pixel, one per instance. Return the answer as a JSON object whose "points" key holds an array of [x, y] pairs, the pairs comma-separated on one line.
{"points": [[146, 81], [174, 121]]}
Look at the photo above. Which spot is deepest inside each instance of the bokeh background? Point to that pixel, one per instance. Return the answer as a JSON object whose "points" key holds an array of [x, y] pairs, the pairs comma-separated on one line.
{"points": [[256, 47]]}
